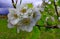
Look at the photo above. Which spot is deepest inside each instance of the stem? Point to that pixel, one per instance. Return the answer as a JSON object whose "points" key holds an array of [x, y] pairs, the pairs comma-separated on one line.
{"points": [[12, 1], [13, 4], [53, 27], [56, 9], [17, 30]]}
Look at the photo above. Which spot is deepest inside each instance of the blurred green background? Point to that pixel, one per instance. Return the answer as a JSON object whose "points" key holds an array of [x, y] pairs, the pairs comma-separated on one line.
{"points": [[6, 33]]}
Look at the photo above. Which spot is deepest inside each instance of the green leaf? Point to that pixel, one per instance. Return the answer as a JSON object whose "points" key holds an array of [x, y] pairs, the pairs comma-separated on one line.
{"points": [[47, 29], [36, 33], [30, 5], [49, 21], [58, 2]]}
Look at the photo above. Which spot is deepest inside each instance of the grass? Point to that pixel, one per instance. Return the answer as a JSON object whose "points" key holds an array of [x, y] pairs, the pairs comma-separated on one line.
{"points": [[6, 33]]}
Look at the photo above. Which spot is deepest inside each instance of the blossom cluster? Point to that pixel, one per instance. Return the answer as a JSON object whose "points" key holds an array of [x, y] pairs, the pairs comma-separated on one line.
{"points": [[24, 17]]}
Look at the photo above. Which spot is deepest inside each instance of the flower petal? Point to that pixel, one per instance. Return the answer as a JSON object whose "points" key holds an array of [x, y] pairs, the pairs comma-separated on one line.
{"points": [[25, 28], [18, 30], [38, 15], [11, 13], [10, 25], [14, 21], [29, 29], [12, 10]]}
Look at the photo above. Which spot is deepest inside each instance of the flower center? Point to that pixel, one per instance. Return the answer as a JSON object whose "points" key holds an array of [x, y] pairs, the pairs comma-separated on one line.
{"points": [[34, 14], [26, 21], [15, 15], [23, 10]]}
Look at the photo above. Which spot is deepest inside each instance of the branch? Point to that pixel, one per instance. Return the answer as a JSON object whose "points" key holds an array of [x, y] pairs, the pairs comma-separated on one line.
{"points": [[50, 27], [13, 4], [12, 1], [56, 9]]}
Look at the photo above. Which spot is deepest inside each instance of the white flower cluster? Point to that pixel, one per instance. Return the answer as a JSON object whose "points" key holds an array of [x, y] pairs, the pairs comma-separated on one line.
{"points": [[23, 17]]}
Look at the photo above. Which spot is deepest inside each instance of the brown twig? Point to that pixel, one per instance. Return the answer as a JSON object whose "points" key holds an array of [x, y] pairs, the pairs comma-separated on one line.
{"points": [[56, 9], [13, 4], [12, 1], [52, 27]]}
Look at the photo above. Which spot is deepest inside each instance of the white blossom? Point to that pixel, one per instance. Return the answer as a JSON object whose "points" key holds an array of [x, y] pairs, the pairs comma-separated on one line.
{"points": [[47, 18], [13, 16], [51, 18], [59, 18], [58, 8], [23, 18]]}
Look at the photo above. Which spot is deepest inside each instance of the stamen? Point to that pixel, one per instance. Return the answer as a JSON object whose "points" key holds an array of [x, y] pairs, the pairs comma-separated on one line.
{"points": [[34, 14], [26, 21], [23, 10], [15, 15]]}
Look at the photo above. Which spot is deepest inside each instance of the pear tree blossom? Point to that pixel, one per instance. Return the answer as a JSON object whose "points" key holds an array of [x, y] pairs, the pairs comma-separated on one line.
{"points": [[23, 17]]}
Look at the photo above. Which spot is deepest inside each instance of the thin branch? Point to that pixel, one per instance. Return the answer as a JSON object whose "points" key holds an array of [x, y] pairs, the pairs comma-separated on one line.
{"points": [[52, 27], [13, 4], [56, 9], [12, 1]]}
